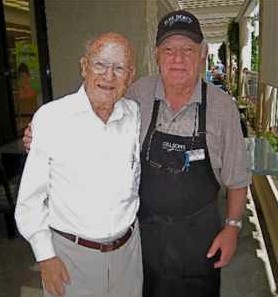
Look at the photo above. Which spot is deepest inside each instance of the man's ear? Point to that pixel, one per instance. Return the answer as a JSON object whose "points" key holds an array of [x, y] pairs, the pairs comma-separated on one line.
{"points": [[84, 64], [131, 76], [204, 53], [156, 55]]}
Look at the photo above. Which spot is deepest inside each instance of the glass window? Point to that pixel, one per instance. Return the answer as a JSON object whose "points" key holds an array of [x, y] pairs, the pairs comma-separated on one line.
{"points": [[23, 60]]}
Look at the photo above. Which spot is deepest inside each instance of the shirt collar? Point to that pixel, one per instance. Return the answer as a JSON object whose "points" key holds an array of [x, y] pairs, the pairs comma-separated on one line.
{"points": [[81, 104], [195, 98]]}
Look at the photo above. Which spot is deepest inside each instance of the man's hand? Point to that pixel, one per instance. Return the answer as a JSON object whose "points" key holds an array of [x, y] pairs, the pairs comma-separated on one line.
{"points": [[226, 242], [27, 138], [54, 274]]}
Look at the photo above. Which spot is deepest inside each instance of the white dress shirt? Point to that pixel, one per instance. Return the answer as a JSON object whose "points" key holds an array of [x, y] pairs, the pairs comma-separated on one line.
{"points": [[81, 175]]}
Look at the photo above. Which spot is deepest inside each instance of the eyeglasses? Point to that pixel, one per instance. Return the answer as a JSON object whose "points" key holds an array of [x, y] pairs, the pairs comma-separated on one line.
{"points": [[101, 66]]}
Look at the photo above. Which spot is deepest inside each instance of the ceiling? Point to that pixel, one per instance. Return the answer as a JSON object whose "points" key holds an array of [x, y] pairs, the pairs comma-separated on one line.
{"points": [[19, 4], [214, 15]]}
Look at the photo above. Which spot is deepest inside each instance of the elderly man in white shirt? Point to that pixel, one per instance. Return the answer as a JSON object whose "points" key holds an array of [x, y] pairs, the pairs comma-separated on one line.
{"points": [[78, 200]]}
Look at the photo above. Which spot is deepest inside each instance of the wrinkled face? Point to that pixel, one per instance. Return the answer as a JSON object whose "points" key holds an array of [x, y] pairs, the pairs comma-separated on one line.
{"points": [[180, 61], [107, 69]]}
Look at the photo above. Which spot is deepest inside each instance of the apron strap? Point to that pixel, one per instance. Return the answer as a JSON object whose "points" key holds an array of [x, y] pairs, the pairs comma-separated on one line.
{"points": [[202, 112], [156, 105], [201, 115]]}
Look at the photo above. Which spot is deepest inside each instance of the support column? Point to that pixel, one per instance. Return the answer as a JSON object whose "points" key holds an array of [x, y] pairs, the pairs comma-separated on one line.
{"points": [[151, 20], [245, 32], [268, 73], [245, 44]]}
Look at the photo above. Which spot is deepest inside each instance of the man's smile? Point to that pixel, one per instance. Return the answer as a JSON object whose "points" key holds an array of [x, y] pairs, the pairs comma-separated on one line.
{"points": [[105, 87]]}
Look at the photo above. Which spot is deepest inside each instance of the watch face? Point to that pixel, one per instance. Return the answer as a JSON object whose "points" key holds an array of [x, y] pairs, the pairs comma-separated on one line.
{"points": [[233, 222]]}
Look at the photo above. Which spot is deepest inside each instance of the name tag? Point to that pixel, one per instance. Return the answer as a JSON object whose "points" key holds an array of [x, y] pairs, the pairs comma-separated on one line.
{"points": [[196, 155]]}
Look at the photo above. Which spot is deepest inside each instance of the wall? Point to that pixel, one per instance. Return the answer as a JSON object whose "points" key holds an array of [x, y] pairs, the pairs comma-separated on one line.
{"points": [[165, 6], [71, 23], [269, 42]]}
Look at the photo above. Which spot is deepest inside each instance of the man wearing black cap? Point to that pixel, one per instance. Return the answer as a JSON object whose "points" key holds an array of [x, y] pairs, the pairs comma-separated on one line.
{"points": [[191, 144]]}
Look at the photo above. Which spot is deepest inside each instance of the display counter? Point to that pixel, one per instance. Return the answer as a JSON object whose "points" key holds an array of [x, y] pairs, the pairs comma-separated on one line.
{"points": [[262, 159]]}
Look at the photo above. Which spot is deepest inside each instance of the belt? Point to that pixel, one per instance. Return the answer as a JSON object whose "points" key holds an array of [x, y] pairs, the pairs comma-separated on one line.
{"points": [[103, 247]]}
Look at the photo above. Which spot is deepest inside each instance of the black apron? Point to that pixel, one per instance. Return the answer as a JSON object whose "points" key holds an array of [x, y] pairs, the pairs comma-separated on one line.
{"points": [[178, 212]]}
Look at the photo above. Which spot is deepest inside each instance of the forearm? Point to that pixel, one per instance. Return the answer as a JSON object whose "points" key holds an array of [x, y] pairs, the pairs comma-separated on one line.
{"points": [[226, 240], [236, 201]]}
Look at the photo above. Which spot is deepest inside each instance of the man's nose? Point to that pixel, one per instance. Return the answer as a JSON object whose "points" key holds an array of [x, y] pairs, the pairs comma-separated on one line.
{"points": [[109, 72], [178, 56]]}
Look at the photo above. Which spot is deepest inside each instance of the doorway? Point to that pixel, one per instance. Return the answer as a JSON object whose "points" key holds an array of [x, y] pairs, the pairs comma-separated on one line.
{"points": [[23, 82]]}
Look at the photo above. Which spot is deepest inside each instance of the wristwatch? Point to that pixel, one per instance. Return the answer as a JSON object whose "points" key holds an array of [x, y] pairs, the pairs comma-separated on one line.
{"points": [[233, 222]]}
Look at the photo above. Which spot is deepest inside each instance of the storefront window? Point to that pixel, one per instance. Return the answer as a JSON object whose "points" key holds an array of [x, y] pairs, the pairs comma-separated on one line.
{"points": [[23, 60]]}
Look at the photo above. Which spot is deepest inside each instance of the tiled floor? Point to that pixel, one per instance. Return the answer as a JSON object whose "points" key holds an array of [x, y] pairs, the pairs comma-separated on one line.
{"points": [[246, 275], [30, 292], [16, 262]]}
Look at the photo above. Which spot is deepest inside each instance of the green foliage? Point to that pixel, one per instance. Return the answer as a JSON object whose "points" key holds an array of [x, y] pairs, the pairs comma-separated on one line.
{"points": [[242, 101], [255, 53], [222, 53], [272, 138], [210, 61], [251, 115], [234, 91], [233, 38], [250, 111]]}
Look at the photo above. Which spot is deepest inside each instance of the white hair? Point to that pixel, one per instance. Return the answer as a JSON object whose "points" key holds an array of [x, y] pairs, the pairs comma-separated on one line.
{"points": [[87, 45]]}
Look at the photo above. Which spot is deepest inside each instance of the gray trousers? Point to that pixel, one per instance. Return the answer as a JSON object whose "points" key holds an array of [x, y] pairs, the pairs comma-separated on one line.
{"points": [[96, 274]]}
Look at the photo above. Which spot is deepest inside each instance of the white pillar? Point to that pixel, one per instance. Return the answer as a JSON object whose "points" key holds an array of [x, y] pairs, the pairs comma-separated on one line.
{"points": [[152, 21], [245, 33]]}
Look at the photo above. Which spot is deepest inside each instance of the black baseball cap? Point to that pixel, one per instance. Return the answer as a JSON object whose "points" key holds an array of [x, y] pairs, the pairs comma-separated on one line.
{"points": [[179, 22]]}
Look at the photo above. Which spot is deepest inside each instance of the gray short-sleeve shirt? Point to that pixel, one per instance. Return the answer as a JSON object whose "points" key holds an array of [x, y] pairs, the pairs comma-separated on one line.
{"points": [[224, 136]]}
